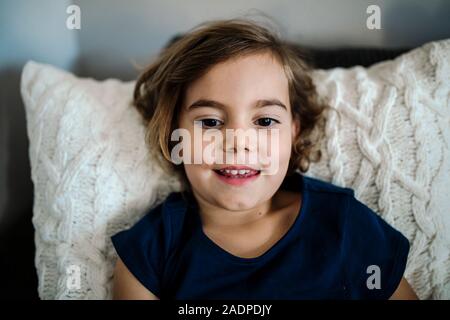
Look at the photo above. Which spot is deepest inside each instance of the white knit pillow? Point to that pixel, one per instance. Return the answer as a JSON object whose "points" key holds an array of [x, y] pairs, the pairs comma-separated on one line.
{"points": [[389, 139], [92, 177]]}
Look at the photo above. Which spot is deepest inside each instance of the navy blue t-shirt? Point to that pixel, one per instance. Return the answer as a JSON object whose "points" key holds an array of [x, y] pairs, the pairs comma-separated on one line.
{"points": [[337, 248]]}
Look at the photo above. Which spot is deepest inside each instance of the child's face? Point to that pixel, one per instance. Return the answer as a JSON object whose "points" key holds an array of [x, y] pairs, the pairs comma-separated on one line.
{"points": [[237, 84]]}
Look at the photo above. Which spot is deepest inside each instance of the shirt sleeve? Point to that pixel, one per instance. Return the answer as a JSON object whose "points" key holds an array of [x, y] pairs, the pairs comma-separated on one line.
{"points": [[375, 253], [141, 249]]}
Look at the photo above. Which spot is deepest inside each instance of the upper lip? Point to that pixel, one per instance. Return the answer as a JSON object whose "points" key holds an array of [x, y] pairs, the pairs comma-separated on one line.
{"points": [[236, 168]]}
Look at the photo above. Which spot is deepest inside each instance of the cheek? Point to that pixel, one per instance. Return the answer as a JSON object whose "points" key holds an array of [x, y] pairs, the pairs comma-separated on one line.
{"points": [[276, 151], [206, 148], [285, 146], [285, 152], [200, 146], [195, 173]]}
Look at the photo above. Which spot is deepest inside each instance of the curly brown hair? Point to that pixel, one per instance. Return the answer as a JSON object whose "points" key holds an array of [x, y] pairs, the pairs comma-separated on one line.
{"points": [[160, 88]]}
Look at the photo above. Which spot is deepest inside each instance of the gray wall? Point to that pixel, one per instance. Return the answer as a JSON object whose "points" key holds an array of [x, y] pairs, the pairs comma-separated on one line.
{"points": [[114, 34]]}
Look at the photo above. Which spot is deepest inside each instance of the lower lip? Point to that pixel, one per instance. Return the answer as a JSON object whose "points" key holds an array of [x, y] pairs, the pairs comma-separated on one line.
{"points": [[237, 181]]}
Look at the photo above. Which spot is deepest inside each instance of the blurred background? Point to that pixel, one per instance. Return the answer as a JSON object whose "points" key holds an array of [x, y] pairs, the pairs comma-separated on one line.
{"points": [[115, 36]]}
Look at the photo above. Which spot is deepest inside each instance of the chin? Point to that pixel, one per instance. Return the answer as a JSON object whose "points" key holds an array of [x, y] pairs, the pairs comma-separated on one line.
{"points": [[237, 203]]}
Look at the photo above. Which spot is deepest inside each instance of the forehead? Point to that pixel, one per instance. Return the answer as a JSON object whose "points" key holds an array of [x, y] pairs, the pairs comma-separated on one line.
{"points": [[241, 79]]}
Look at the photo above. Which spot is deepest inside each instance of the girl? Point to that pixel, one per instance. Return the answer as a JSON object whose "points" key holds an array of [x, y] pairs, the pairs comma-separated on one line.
{"points": [[239, 230]]}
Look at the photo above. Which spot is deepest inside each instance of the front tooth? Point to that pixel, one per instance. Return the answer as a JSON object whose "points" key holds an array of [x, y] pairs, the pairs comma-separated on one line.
{"points": [[234, 172], [242, 171], [227, 171]]}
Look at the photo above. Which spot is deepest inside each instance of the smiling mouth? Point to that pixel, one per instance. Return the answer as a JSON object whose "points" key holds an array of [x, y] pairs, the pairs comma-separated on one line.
{"points": [[237, 173]]}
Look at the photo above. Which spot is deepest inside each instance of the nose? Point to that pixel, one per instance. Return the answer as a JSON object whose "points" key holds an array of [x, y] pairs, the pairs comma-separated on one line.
{"points": [[235, 145], [239, 139]]}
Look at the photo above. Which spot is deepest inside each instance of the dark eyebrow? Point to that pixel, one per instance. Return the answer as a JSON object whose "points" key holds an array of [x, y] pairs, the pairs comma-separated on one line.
{"points": [[215, 104], [270, 102], [206, 103]]}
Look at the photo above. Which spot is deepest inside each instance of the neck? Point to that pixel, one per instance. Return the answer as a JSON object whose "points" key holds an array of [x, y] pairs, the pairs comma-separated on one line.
{"points": [[216, 216]]}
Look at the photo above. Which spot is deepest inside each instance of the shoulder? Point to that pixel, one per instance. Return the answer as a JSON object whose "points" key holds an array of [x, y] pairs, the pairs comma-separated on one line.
{"points": [[368, 245], [367, 226], [372, 247], [156, 229], [145, 247], [328, 202]]}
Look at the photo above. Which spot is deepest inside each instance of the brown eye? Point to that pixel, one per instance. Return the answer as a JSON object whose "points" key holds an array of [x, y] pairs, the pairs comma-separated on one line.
{"points": [[266, 122], [210, 123]]}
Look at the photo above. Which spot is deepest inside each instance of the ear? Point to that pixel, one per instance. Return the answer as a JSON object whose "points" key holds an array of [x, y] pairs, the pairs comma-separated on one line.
{"points": [[295, 127]]}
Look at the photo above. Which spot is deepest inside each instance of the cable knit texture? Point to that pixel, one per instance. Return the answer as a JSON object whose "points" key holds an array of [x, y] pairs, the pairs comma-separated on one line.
{"points": [[387, 136]]}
